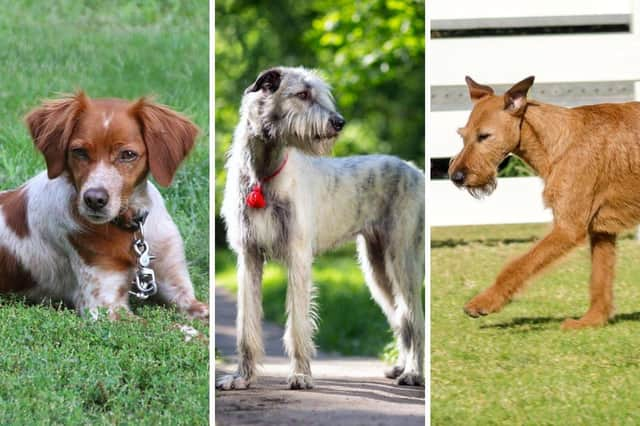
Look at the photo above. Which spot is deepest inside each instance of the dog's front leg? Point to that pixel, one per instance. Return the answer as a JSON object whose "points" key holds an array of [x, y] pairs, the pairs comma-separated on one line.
{"points": [[100, 289], [174, 284], [603, 261], [516, 273], [249, 320], [298, 338]]}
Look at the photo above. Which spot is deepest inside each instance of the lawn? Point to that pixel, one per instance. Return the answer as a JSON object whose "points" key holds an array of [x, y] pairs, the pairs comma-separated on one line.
{"points": [[57, 368], [517, 366], [350, 322]]}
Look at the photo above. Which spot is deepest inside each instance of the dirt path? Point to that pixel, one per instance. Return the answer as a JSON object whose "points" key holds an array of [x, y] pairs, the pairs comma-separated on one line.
{"points": [[347, 391]]}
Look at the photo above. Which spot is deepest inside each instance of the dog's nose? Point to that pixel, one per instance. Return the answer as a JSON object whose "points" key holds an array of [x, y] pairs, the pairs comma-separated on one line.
{"points": [[96, 198], [458, 177], [337, 122]]}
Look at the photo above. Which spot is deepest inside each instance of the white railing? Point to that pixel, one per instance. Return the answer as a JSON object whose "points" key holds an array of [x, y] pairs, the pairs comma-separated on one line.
{"points": [[606, 58]]}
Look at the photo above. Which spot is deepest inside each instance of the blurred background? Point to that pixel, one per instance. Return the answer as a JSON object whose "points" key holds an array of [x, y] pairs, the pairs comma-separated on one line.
{"points": [[372, 53]]}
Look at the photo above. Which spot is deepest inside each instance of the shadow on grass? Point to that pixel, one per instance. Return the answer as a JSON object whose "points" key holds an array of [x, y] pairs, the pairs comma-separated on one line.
{"points": [[489, 242], [539, 323], [525, 323], [631, 316]]}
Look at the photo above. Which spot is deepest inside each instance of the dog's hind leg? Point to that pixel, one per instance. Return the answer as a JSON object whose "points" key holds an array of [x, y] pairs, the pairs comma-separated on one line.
{"points": [[249, 325], [603, 261], [405, 265], [371, 255], [301, 320]]}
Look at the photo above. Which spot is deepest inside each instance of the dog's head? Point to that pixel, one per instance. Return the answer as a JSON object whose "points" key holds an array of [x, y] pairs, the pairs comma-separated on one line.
{"points": [[492, 132], [106, 147], [295, 106]]}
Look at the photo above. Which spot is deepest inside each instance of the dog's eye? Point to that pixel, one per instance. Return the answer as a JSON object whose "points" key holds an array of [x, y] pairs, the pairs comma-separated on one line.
{"points": [[266, 86], [304, 95], [483, 136], [80, 153], [127, 156]]}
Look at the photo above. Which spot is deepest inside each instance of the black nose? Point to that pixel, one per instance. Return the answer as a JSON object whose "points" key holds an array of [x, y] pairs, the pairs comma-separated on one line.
{"points": [[96, 198], [458, 177], [337, 122]]}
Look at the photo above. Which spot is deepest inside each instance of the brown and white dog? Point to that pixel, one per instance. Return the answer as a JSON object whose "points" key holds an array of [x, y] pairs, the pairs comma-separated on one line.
{"points": [[66, 233]]}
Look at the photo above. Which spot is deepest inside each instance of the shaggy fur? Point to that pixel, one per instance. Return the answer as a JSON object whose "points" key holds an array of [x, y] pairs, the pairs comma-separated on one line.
{"points": [[314, 204], [589, 159]]}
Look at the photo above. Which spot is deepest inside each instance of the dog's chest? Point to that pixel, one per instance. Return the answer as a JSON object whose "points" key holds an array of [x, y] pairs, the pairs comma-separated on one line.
{"points": [[105, 246], [268, 227]]}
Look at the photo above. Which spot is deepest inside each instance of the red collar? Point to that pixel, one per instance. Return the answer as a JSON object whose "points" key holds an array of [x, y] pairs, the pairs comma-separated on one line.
{"points": [[278, 170], [255, 199]]}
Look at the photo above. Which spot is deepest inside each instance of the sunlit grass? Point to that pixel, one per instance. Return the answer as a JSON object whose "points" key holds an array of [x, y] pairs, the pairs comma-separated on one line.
{"points": [[55, 367], [517, 366]]}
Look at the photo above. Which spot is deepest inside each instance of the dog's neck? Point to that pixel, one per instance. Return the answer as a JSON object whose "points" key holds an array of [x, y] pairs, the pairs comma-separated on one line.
{"points": [[264, 156], [544, 136]]}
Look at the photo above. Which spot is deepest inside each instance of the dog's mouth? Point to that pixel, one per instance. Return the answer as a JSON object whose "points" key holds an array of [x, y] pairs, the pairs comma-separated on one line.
{"points": [[480, 191], [97, 218], [328, 137]]}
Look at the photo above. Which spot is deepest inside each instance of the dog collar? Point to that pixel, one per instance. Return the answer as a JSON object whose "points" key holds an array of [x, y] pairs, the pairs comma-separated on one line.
{"points": [[255, 198], [130, 222]]}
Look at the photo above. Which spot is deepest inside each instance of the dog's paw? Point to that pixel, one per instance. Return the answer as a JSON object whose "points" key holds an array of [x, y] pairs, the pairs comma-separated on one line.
{"points": [[410, 379], [300, 381], [198, 310], [232, 381], [393, 372], [483, 304]]}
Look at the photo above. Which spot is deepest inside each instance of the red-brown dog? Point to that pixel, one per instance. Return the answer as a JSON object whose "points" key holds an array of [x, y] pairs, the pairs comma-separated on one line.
{"points": [[589, 159]]}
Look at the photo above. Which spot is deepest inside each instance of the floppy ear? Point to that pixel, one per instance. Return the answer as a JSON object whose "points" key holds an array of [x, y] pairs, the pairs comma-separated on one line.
{"points": [[267, 80], [167, 135], [51, 126], [477, 91], [515, 99]]}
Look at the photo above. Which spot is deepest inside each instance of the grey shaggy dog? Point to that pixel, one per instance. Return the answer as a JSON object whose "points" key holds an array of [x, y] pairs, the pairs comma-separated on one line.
{"points": [[311, 204]]}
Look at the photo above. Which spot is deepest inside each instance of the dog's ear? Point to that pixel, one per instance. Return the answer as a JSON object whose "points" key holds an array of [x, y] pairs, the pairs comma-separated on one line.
{"points": [[167, 135], [515, 99], [267, 80], [477, 91], [51, 126]]}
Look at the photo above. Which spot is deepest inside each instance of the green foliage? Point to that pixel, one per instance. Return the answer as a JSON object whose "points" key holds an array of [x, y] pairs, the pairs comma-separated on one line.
{"points": [[516, 167], [518, 366], [372, 52], [57, 368]]}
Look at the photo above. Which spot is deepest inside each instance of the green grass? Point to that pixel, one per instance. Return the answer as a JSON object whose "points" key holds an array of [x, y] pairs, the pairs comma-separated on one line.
{"points": [[517, 366], [57, 368], [351, 323]]}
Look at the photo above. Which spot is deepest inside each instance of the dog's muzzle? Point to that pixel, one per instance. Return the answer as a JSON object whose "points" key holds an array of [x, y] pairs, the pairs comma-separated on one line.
{"points": [[337, 122]]}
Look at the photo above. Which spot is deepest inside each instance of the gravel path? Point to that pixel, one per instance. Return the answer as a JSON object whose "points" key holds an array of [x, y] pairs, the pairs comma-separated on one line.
{"points": [[347, 390]]}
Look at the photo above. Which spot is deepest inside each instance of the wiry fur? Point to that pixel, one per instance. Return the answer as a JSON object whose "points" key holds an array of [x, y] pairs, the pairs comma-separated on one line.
{"points": [[589, 160], [315, 204]]}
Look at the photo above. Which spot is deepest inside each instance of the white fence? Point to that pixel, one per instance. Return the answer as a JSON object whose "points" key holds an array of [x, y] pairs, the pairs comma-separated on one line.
{"points": [[597, 66]]}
